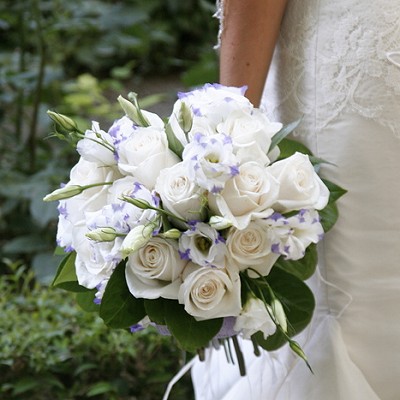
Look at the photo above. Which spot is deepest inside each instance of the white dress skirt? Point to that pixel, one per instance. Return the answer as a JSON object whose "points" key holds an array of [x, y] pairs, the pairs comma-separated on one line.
{"points": [[337, 64]]}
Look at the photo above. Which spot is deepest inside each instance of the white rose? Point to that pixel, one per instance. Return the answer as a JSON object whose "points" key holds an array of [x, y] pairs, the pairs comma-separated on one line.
{"points": [[203, 245], [155, 269], [300, 186], [145, 154], [248, 195], [251, 247], [179, 194], [209, 292], [245, 127], [97, 146], [254, 318]]}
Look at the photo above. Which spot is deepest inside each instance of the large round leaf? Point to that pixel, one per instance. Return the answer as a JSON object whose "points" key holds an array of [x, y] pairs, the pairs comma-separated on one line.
{"points": [[298, 302], [119, 308], [302, 268], [190, 334]]}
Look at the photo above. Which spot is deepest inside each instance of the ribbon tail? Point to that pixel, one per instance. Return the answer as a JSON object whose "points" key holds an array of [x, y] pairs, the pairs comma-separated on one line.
{"points": [[178, 376]]}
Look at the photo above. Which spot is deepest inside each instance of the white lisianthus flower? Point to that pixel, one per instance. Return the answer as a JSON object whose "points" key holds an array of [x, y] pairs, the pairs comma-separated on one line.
{"points": [[179, 194], [154, 270], [122, 215], [294, 234], [300, 185], [248, 195], [210, 293], [122, 129], [91, 266], [254, 318], [210, 161], [145, 154], [101, 287], [97, 146], [203, 245], [245, 127], [214, 101], [72, 210], [251, 247]]}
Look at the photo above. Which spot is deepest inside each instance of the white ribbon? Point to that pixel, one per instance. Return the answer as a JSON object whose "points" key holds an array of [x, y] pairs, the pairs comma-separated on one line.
{"points": [[394, 57], [178, 376]]}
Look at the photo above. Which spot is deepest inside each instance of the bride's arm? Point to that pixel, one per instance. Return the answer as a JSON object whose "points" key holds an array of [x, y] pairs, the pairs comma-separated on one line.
{"points": [[250, 31]]}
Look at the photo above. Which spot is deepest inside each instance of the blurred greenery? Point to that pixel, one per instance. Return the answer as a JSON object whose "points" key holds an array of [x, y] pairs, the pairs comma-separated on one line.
{"points": [[76, 57], [50, 349]]}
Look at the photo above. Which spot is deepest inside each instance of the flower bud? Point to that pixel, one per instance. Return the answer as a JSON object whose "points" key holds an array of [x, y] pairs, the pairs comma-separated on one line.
{"points": [[299, 351], [139, 203], [137, 238], [172, 234], [64, 193], [279, 314], [65, 122], [132, 111], [185, 118], [219, 223], [106, 234]]}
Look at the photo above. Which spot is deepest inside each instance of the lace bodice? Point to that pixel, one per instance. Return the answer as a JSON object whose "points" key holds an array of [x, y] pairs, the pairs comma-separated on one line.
{"points": [[337, 57]]}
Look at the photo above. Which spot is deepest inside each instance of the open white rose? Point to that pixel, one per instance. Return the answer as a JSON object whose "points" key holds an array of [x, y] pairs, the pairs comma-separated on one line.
{"points": [[145, 154], [254, 318], [97, 146], [251, 247], [300, 186], [209, 292], [250, 194], [179, 194], [245, 127], [154, 270]]}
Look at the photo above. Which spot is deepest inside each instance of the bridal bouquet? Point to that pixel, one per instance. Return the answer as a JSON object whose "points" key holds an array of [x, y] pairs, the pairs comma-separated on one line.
{"points": [[204, 226]]}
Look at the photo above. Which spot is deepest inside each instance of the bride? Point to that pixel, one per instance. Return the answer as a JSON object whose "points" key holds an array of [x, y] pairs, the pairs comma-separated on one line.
{"points": [[337, 64]]}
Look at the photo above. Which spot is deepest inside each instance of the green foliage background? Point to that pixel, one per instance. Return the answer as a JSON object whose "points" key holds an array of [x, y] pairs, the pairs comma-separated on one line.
{"points": [[76, 57]]}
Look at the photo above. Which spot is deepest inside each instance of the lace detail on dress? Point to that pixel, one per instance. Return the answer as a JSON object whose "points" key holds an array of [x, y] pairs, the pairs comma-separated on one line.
{"points": [[334, 58]]}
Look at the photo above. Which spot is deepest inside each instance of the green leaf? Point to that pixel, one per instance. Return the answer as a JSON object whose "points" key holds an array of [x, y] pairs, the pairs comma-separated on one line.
{"points": [[286, 130], [119, 308], [303, 268], [155, 310], [335, 191], [173, 143], [66, 275], [329, 216], [288, 147], [298, 303], [190, 334], [25, 244], [86, 300], [101, 388]]}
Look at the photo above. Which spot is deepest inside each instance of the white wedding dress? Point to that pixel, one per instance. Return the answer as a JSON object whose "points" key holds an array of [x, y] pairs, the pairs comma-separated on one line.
{"points": [[337, 63]]}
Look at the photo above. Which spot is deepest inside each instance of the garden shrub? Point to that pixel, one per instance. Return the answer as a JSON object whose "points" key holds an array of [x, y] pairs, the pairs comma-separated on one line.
{"points": [[52, 350]]}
